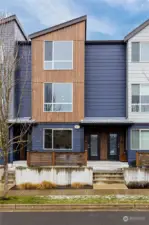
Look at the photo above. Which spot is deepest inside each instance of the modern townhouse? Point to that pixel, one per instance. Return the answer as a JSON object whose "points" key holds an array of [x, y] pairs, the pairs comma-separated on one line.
{"points": [[85, 100]]}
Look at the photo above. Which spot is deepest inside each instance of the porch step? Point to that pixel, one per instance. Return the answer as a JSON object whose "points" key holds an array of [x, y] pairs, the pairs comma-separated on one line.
{"points": [[11, 178], [108, 177]]}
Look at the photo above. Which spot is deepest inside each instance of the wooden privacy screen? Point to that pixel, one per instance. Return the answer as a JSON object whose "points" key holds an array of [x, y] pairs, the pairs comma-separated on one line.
{"points": [[57, 158], [142, 159]]}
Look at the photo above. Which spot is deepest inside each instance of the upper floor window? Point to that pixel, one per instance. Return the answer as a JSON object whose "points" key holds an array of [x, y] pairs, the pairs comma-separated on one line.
{"points": [[58, 55], [140, 98], [140, 139], [58, 97], [140, 52]]}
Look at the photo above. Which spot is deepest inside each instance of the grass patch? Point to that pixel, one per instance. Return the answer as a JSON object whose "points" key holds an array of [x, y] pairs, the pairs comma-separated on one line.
{"points": [[74, 199]]}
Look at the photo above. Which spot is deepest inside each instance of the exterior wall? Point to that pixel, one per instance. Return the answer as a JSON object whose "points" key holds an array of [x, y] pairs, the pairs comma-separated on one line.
{"points": [[76, 76], [37, 136], [23, 82], [9, 34], [105, 80], [132, 153], [137, 73]]}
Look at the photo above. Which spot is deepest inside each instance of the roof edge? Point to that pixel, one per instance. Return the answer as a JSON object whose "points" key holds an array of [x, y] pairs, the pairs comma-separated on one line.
{"points": [[136, 30], [14, 17], [98, 42], [59, 26]]}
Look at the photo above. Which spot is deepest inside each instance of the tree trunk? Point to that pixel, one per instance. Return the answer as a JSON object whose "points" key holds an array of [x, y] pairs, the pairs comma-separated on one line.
{"points": [[5, 176]]}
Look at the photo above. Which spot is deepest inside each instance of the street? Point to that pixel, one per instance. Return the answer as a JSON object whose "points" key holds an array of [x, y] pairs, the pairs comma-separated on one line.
{"points": [[74, 218]]}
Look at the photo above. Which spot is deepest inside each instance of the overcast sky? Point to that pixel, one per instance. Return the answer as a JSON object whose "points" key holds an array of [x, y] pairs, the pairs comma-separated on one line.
{"points": [[107, 19]]}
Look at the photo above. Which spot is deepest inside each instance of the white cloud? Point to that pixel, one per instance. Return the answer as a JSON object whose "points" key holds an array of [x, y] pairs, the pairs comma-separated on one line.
{"points": [[51, 12], [131, 5]]}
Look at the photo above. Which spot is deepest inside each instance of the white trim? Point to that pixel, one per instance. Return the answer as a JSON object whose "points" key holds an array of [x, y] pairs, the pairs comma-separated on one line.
{"points": [[61, 103], [53, 61], [70, 149], [140, 130]]}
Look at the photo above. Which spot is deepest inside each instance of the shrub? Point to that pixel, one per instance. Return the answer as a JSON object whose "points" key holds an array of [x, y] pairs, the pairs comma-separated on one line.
{"points": [[138, 185], [41, 186], [77, 185]]}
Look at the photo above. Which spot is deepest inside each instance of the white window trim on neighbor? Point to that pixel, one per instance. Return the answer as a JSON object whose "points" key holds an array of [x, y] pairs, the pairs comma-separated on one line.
{"points": [[70, 149], [58, 103], [140, 130], [140, 52], [53, 61], [139, 104]]}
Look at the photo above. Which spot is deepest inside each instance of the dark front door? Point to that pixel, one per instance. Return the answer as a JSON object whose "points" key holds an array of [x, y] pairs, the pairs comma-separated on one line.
{"points": [[93, 147], [113, 149]]}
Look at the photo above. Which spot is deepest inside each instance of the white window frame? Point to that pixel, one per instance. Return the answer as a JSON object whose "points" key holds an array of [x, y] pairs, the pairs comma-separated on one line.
{"points": [[139, 104], [60, 103], [140, 130], [143, 42], [52, 61], [54, 149]]}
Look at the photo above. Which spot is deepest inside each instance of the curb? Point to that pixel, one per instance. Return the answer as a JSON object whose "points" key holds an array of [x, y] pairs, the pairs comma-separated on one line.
{"points": [[96, 207]]}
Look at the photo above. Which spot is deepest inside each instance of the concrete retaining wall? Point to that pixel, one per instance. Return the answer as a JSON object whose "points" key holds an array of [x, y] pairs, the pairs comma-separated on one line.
{"points": [[58, 175], [136, 176]]}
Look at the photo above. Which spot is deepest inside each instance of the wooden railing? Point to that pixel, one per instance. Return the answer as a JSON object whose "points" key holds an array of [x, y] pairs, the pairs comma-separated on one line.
{"points": [[142, 159], [56, 158]]}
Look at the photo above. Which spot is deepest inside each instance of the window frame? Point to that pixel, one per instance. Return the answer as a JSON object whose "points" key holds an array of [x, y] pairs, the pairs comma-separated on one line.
{"points": [[52, 61], [66, 103], [139, 104], [140, 130], [140, 52], [54, 149]]}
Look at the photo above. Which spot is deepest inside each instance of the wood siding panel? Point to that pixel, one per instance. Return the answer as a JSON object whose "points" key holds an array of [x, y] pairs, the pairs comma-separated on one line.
{"points": [[75, 76]]}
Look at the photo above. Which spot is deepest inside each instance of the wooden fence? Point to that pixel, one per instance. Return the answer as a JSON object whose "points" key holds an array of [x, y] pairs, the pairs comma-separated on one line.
{"points": [[57, 158], [142, 159]]}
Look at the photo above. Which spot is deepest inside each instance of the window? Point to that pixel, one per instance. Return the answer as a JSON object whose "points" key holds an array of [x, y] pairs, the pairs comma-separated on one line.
{"points": [[140, 139], [140, 52], [140, 98], [58, 97], [58, 139], [58, 55]]}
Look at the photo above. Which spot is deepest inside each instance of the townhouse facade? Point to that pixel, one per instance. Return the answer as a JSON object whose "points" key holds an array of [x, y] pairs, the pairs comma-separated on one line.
{"points": [[82, 95]]}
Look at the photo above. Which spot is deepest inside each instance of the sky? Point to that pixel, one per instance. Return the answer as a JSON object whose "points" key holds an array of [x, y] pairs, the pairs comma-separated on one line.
{"points": [[106, 19]]}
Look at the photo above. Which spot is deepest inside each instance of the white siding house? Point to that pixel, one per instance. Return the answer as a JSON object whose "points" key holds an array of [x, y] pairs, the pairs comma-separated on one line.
{"points": [[138, 73]]}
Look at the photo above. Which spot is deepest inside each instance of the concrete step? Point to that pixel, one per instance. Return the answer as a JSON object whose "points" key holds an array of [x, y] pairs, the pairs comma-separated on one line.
{"points": [[117, 181], [108, 177]]}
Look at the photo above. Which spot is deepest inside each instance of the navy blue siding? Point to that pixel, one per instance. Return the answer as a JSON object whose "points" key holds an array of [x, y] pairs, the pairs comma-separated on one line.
{"points": [[37, 136], [23, 82], [132, 153], [105, 80]]}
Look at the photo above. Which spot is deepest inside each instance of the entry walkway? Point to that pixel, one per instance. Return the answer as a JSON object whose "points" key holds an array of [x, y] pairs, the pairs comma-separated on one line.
{"points": [[107, 165]]}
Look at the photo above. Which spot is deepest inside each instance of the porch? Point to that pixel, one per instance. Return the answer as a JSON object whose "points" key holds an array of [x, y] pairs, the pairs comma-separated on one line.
{"points": [[105, 143]]}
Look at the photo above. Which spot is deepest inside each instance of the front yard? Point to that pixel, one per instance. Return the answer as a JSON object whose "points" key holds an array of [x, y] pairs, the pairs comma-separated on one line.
{"points": [[96, 199]]}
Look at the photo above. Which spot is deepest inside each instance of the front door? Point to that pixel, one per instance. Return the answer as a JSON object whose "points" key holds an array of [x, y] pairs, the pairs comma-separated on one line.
{"points": [[113, 149], [93, 147]]}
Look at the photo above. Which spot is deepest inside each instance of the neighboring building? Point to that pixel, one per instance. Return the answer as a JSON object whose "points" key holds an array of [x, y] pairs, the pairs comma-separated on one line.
{"points": [[84, 95]]}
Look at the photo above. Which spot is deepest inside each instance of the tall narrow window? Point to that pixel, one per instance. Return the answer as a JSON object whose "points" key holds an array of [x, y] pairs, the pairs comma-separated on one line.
{"points": [[58, 97], [135, 51], [58, 55]]}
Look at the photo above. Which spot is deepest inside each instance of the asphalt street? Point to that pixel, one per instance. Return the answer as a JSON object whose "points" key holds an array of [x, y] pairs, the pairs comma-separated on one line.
{"points": [[74, 218]]}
